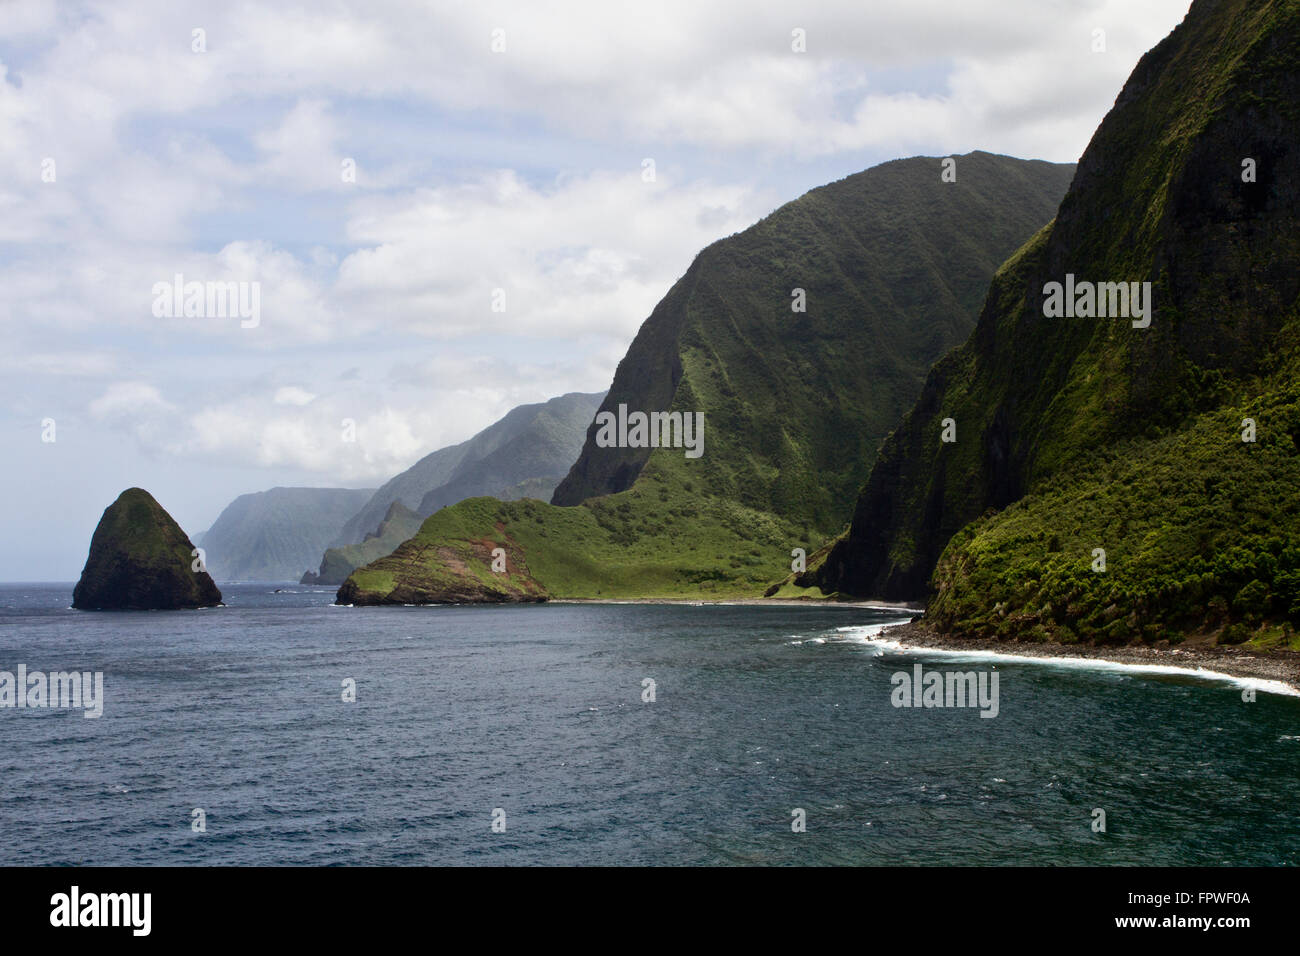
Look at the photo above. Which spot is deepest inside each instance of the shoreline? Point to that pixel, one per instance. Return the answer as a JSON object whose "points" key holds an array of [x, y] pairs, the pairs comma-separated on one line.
{"points": [[1280, 666], [749, 602]]}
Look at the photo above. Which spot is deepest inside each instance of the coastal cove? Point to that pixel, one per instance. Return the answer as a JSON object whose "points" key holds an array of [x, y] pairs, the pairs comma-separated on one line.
{"points": [[913, 633]]}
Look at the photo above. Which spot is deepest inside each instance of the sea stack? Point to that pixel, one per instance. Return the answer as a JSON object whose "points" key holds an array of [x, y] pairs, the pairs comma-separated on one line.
{"points": [[141, 560]]}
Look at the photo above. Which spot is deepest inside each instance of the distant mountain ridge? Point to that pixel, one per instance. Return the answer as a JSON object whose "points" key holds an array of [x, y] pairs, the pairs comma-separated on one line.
{"points": [[524, 454], [275, 535]]}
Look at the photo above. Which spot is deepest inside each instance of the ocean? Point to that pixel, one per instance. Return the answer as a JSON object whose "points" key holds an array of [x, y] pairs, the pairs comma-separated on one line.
{"points": [[522, 735]]}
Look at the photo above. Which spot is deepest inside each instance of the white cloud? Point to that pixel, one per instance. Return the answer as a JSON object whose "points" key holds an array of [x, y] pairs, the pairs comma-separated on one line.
{"points": [[292, 395], [137, 409], [716, 74], [128, 398], [589, 256], [27, 18], [397, 415], [64, 364]]}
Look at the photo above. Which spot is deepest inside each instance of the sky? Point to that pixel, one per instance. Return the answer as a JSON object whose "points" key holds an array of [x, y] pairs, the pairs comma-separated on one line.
{"points": [[446, 209]]}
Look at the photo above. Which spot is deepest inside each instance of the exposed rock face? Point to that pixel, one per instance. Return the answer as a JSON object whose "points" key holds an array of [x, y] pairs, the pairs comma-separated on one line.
{"points": [[141, 560], [490, 570]]}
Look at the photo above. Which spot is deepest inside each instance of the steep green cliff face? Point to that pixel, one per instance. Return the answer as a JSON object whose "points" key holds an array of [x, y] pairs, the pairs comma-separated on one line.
{"points": [[140, 559], [891, 265], [1076, 434]]}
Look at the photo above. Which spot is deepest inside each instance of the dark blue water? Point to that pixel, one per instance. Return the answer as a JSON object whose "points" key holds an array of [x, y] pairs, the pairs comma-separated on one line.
{"points": [[538, 711]]}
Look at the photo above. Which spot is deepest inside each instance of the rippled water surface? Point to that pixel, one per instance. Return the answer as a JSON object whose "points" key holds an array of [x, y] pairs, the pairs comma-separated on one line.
{"points": [[538, 711]]}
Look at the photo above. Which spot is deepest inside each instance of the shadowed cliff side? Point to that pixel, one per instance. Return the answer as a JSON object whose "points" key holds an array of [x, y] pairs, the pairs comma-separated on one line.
{"points": [[1086, 433], [140, 559]]}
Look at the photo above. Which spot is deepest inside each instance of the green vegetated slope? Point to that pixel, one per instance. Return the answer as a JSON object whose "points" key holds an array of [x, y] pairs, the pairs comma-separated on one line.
{"points": [[275, 535], [527, 452], [1075, 434], [893, 263], [399, 523], [140, 559]]}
